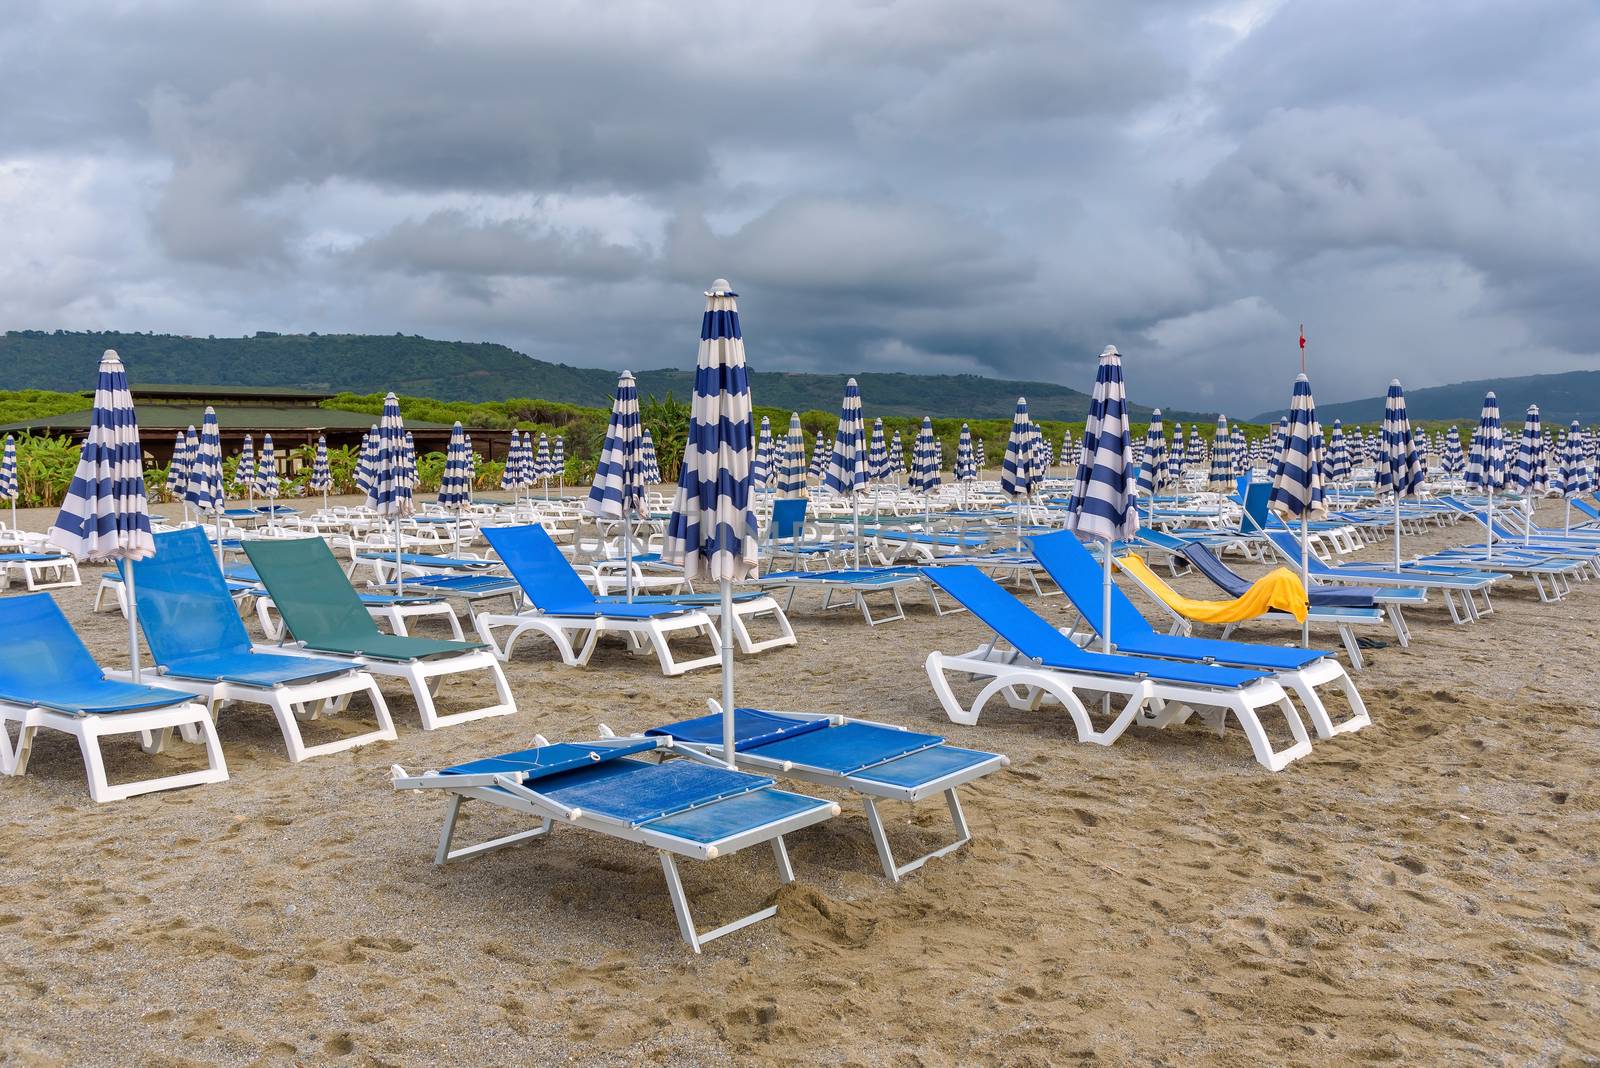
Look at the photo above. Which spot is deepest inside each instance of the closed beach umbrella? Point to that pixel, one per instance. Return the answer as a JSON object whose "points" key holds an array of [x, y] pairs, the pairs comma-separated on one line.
{"points": [[650, 466], [1153, 465], [1528, 474], [390, 495], [966, 469], [897, 460], [321, 476], [982, 456], [1220, 478], [105, 515], [455, 486], [1297, 488], [542, 467], [177, 470], [508, 474], [1338, 465], [1197, 446], [761, 473], [244, 471], [819, 458], [267, 478], [1399, 469], [792, 460], [712, 532], [878, 454], [1450, 457], [1572, 478], [925, 468], [847, 465], [10, 489], [367, 460], [1018, 476], [618, 488], [204, 488], [558, 462], [1486, 464], [1102, 504], [1068, 457]]}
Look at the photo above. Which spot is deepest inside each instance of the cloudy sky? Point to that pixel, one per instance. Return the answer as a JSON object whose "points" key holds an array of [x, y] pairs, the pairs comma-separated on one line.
{"points": [[949, 185]]}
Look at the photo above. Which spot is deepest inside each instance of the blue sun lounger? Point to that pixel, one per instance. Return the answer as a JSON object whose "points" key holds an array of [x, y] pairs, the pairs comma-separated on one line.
{"points": [[200, 646], [1463, 582], [878, 761], [564, 608], [680, 808], [1041, 661], [48, 678], [1301, 670]]}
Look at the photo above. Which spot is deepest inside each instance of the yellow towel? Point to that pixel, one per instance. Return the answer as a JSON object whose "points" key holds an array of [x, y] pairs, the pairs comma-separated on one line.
{"points": [[1280, 588]]}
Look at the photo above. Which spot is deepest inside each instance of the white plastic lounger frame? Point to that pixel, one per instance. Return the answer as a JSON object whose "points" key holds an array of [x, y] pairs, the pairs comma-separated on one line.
{"points": [[426, 677], [507, 791], [154, 726], [1025, 683], [562, 630], [293, 702], [54, 573]]}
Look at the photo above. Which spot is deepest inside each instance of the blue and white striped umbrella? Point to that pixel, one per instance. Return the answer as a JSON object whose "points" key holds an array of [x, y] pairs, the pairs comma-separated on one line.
{"points": [[542, 469], [983, 459], [618, 487], [1573, 476], [1044, 455], [9, 488], [1197, 447], [938, 454], [712, 531], [792, 460], [1337, 466], [455, 486], [1153, 473], [1069, 458], [267, 472], [1220, 476], [558, 458], [409, 455], [1297, 484], [966, 459], [649, 465], [1450, 458], [1018, 477], [105, 515], [204, 488], [761, 473], [1486, 464], [321, 475], [924, 460], [1177, 453], [508, 474], [1103, 504], [1102, 501], [897, 459], [847, 465], [367, 461], [819, 458], [1399, 469], [244, 471], [1527, 475], [877, 454], [177, 470], [1239, 449], [391, 492]]}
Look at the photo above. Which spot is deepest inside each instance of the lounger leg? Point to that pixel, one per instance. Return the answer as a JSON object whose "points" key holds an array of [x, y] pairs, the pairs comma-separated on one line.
{"points": [[1261, 745], [1352, 646], [880, 839], [780, 853], [1397, 623], [680, 903]]}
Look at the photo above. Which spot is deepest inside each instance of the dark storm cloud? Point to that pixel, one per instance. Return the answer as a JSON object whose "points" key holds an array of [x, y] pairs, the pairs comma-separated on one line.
{"points": [[996, 187]]}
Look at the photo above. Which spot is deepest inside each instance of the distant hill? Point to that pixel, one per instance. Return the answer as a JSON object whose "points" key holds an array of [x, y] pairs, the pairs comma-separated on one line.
{"points": [[476, 371], [1561, 398]]}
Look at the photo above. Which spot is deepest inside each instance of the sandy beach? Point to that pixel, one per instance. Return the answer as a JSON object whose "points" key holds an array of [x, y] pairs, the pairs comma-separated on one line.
{"points": [[1422, 891]]}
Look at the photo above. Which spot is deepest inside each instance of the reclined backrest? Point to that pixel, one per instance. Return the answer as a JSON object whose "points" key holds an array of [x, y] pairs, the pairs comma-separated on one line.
{"points": [[1080, 577], [185, 610], [1209, 565], [39, 650], [1002, 612], [788, 517], [1256, 516], [539, 568], [310, 589]]}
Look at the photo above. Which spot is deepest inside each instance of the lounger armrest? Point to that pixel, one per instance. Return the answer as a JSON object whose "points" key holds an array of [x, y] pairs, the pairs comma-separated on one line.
{"points": [[512, 784]]}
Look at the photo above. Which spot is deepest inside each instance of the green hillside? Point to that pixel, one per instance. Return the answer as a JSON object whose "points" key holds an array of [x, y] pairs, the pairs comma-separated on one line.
{"points": [[473, 371], [1561, 398]]}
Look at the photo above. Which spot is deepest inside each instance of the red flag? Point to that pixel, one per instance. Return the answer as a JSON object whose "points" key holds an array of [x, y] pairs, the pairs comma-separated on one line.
{"points": [[1302, 337]]}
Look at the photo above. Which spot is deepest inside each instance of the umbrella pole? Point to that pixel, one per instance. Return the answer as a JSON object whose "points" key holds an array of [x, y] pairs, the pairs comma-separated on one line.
{"points": [[218, 507], [1397, 531], [627, 552], [1105, 601], [1305, 576], [399, 578], [455, 531], [726, 589], [1566, 524], [1490, 539], [855, 508], [133, 621]]}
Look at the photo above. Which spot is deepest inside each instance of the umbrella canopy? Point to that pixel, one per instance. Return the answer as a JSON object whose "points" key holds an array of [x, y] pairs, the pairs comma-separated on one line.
{"points": [[1574, 472], [1528, 474], [1486, 464], [1297, 486], [847, 466], [1153, 466], [390, 494], [1044, 457], [9, 490], [761, 473], [1103, 504], [105, 515], [204, 487], [618, 487], [712, 531], [558, 457], [924, 459], [1239, 452], [1197, 446], [1018, 475], [543, 468], [267, 473], [819, 457], [1067, 456], [877, 454], [244, 472], [792, 460], [1450, 458], [1399, 470], [455, 487], [982, 457], [1338, 465], [897, 460], [966, 459], [1177, 452], [177, 471], [508, 474], [1220, 477], [321, 475], [649, 465], [367, 461]]}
